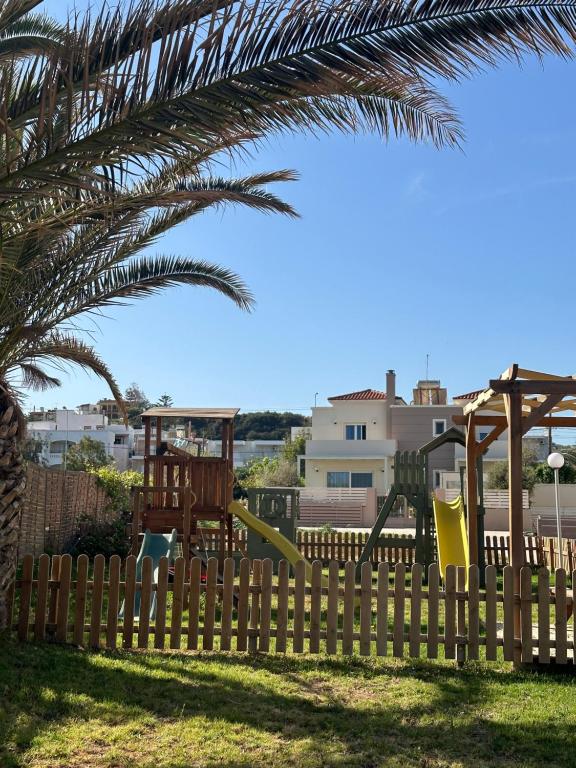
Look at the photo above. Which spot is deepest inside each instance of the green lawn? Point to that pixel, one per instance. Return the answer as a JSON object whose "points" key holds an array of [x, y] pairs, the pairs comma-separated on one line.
{"points": [[60, 707]]}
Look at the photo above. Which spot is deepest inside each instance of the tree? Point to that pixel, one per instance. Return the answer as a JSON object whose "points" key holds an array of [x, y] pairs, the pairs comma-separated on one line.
{"points": [[136, 402], [86, 455], [32, 450], [112, 126], [134, 395], [280, 471], [164, 401]]}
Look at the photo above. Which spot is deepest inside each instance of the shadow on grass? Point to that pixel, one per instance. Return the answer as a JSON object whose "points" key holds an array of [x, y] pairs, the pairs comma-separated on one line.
{"points": [[339, 711]]}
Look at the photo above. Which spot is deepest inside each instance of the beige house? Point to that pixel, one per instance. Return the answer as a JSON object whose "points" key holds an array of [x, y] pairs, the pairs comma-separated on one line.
{"points": [[350, 445], [354, 439]]}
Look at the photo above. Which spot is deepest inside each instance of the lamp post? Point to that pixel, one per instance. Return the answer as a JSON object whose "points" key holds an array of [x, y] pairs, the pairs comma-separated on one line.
{"points": [[556, 462]]}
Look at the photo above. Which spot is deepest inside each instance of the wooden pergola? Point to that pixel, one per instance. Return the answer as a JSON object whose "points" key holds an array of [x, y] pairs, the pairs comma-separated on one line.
{"points": [[518, 401]]}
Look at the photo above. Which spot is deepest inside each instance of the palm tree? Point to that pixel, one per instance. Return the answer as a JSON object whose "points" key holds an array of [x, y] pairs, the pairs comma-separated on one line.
{"points": [[57, 274], [111, 129]]}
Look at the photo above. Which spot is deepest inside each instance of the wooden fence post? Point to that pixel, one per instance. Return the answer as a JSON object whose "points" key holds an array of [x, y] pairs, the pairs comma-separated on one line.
{"points": [[25, 595], [42, 597], [348, 618], [382, 609], [255, 605], [113, 601], [399, 609], [315, 606], [365, 608], [63, 598], [282, 611]]}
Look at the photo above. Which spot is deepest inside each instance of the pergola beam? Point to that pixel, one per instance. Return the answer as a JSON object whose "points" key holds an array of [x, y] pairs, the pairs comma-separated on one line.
{"points": [[562, 387], [483, 445], [538, 413], [494, 421]]}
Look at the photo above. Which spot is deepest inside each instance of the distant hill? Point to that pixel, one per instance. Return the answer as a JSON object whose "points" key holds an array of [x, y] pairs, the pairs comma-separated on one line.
{"points": [[259, 425]]}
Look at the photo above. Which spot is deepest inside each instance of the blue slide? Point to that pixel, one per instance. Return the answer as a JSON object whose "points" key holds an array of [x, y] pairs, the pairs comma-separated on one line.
{"points": [[156, 546]]}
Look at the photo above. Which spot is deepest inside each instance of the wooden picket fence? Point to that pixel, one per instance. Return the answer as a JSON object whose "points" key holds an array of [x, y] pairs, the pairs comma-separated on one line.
{"points": [[331, 545], [382, 613], [348, 545]]}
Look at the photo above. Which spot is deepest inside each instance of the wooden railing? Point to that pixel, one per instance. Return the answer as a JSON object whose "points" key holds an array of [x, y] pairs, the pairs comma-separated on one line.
{"points": [[400, 548], [206, 475], [57, 599]]}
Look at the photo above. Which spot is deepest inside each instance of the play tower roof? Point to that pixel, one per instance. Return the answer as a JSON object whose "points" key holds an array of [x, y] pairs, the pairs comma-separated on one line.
{"points": [[193, 413]]}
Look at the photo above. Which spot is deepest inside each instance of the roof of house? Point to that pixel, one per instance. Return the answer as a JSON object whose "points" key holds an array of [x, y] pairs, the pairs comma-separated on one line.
{"points": [[366, 394], [468, 395]]}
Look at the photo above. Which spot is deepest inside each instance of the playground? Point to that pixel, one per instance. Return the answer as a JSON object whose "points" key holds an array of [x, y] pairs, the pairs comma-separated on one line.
{"points": [[261, 645], [191, 582]]}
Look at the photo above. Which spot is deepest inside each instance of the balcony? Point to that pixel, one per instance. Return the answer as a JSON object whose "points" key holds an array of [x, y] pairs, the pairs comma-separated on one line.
{"points": [[350, 449]]}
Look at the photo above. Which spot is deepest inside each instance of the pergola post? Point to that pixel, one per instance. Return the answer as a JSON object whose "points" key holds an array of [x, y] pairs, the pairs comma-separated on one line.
{"points": [[513, 403], [146, 420], [472, 490]]}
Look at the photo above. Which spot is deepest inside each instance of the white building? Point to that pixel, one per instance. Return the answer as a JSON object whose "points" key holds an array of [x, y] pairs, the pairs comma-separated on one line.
{"points": [[63, 428]]}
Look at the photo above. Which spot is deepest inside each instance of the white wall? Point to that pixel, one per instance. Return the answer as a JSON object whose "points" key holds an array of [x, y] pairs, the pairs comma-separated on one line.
{"points": [[328, 423]]}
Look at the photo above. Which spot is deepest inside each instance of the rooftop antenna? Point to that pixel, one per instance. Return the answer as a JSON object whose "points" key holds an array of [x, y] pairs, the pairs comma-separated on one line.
{"points": [[427, 364]]}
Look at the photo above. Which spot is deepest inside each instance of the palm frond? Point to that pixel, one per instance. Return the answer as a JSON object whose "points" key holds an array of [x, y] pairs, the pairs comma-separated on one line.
{"points": [[35, 378], [31, 34], [59, 347], [147, 275]]}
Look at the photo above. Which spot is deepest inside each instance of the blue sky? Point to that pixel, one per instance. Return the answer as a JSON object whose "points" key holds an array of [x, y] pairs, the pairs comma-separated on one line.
{"points": [[402, 250]]}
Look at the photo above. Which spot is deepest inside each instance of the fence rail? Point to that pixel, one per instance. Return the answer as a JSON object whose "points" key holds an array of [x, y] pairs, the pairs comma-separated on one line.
{"points": [[400, 548], [387, 612]]}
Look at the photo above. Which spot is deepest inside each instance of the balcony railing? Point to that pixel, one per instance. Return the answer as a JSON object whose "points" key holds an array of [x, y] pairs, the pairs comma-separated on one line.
{"points": [[350, 449]]}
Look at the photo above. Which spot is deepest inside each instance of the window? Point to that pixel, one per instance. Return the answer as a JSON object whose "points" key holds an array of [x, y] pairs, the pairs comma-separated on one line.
{"points": [[338, 479], [437, 478], [361, 480], [438, 427], [85, 428], [349, 479], [355, 432], [482, 435]]}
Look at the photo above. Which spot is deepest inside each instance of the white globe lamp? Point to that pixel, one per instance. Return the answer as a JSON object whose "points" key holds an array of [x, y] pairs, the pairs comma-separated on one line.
{"points": [[555, 461]]}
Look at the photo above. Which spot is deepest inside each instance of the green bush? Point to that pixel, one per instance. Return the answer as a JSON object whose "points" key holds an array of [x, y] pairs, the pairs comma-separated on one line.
{"points": [[117, 485], [86, 455], [498, 476], [101, 539], [544, 474]]}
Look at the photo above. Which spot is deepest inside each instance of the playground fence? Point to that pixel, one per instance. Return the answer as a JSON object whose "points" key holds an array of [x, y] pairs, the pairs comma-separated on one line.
{"points": [[390, 611], [348, 545]]}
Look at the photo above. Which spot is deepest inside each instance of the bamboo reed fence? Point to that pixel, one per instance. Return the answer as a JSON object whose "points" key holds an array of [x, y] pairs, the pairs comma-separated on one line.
{"points": [[390, 611]]}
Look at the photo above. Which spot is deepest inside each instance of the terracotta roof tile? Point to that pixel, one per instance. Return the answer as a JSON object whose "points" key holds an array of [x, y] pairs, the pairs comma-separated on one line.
{"points": [[468, 395], [364, 394]]}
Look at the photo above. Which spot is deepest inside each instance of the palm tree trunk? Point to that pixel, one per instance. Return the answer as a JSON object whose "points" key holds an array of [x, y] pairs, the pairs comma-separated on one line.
{"points": [[12, 486]]}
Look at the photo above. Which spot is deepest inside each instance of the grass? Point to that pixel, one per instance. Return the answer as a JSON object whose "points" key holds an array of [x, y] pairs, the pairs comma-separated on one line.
{"points": [[64, 708]]}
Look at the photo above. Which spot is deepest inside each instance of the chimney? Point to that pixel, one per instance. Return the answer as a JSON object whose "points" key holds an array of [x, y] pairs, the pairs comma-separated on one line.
{"points": [[390, 400], [391, 386]]}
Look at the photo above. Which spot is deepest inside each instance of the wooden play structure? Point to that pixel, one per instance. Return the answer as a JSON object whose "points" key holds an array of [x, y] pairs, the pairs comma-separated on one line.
{"points": [[411, 482], [182, 490], [519, 400]]}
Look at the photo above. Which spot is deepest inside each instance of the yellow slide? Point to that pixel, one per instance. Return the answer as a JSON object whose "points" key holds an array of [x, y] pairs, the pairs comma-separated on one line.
{"points": [[451, 534], [285, 547]]}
